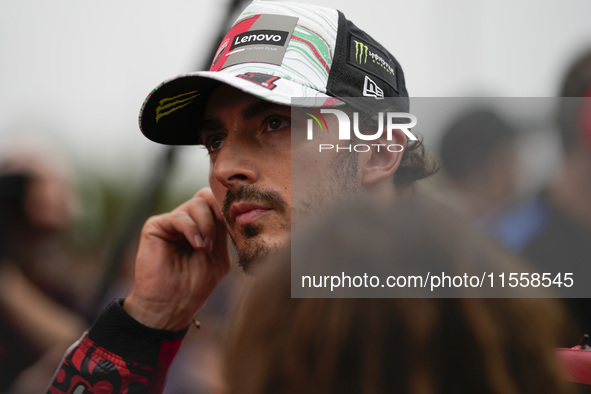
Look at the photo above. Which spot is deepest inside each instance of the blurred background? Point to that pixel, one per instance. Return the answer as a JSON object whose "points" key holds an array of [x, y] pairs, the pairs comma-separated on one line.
{"points": [[77, 72], [74, 74]]}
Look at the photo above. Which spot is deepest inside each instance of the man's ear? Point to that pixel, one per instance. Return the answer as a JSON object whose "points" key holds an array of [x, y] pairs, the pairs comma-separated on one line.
{"points": [[383, 159]]}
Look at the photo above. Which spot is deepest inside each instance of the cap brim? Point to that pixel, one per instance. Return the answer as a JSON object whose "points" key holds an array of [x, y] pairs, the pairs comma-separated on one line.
{"points": [[171, 114]]}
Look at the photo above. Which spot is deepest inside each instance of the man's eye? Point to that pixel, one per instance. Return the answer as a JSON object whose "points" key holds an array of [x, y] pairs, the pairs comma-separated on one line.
{"points": [[214, 143], [277, 123]]}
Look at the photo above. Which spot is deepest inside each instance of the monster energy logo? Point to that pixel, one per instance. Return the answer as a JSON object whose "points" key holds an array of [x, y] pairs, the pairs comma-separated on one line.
{"points": [[171, 104], [360, 52]]}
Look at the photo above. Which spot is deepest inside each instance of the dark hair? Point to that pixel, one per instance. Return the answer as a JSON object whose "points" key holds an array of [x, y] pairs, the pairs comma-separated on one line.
{"points": [[12, 212], [284, 345], [469, 140], [417, 162], [578, 77], [576, 83]]}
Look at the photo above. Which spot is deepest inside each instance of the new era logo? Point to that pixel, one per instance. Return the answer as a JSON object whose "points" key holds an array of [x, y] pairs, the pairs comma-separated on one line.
{"points": [[371, 89]]}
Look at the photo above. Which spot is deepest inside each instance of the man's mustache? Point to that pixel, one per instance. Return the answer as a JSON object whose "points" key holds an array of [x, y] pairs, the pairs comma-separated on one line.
{"points": [[252, 194]]}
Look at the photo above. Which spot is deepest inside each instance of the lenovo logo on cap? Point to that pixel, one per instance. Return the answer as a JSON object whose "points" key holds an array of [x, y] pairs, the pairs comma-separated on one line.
{"points": [[258, 39], [266, 37]]}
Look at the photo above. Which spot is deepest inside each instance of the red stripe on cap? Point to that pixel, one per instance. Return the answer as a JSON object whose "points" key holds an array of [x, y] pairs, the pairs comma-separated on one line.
{"points": [[314, 50], [241, 27]]}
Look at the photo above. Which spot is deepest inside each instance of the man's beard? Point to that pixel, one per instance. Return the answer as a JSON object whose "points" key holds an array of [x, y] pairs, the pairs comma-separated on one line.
{"points": [[253, 249], [341, 182], [338, 184]]}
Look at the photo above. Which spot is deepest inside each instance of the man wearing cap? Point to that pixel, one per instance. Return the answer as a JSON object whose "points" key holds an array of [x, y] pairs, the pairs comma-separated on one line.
{"points": [[241, 111]]}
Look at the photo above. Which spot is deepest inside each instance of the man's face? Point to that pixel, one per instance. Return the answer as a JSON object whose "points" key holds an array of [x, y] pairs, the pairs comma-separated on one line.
{"points": [[250, 150]]}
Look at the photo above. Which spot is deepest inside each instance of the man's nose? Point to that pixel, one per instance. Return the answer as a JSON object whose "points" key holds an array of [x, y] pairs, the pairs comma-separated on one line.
{"points": [[235, 165]]}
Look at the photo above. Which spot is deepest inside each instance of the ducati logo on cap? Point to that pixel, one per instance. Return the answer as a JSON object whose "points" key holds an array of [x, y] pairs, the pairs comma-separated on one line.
{"points": [[264, 80]]}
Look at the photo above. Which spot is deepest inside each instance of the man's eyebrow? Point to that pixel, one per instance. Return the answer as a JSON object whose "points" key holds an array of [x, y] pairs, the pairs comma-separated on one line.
{"points": [[260, 107], [211, 124], [250, 111]]}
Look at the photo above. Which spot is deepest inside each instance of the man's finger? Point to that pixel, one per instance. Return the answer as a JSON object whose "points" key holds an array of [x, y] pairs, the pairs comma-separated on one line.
{"points": [[176, 226], [199, 210], [207, 195]]}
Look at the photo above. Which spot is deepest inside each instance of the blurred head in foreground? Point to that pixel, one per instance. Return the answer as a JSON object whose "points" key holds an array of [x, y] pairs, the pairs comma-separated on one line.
{"points": [[479, 156], [37, 198], [420, 345], [574, 115]]}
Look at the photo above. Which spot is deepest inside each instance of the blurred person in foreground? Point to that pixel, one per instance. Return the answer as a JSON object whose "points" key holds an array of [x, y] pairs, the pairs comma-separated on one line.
{"points": [[392, 345], [553, 230], [564, 233], [240, 111], [36, 211]]}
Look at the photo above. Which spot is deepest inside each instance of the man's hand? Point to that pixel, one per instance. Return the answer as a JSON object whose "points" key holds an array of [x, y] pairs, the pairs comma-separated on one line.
{"points": [[182, 257]]}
